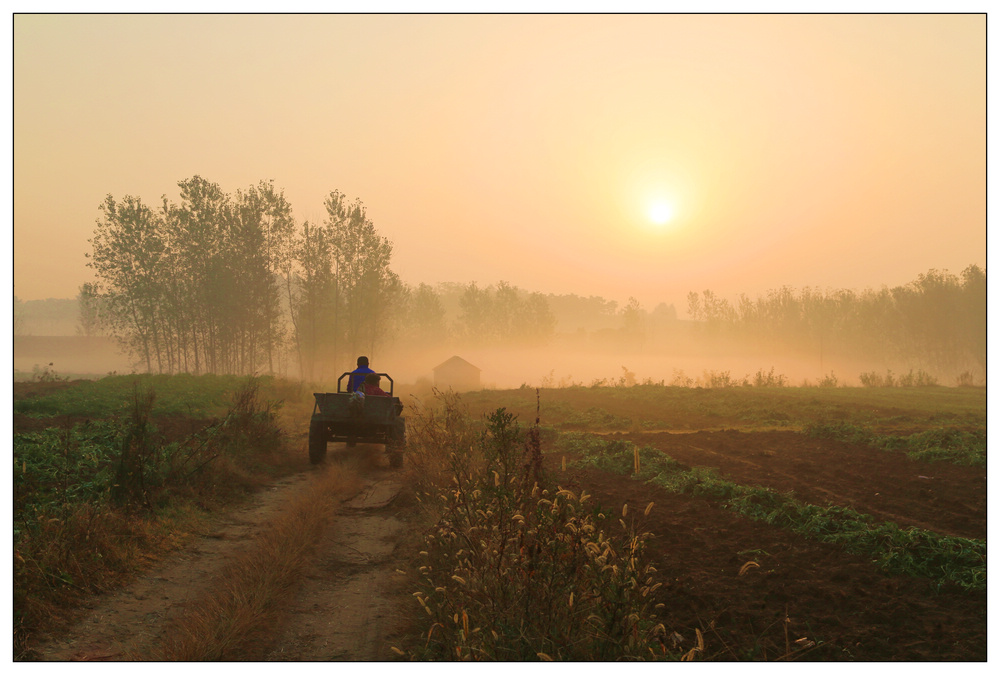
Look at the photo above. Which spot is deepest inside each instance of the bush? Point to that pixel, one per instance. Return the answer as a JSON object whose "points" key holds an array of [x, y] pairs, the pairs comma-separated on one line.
{"points": [[769, 379], [514, 570]]}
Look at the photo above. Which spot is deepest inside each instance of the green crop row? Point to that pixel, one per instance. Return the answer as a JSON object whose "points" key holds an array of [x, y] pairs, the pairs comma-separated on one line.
{"points": [[199, 396], [941, 444], [896, 550]]}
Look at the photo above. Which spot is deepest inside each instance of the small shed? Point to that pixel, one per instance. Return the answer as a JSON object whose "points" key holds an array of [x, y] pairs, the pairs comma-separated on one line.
{"points": [[458, 374]]}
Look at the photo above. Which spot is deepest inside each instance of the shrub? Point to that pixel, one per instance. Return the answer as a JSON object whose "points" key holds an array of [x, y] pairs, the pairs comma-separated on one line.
{"points": [[514, 570], [769, 379], [828, 380]]}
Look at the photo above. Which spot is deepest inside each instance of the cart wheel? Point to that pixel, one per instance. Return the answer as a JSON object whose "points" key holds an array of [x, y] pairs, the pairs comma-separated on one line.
{"points": [[317, 442]]}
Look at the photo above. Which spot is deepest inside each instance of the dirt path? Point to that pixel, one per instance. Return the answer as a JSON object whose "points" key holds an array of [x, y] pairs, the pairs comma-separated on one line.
{"points": [[345, 607], [341, 611]]}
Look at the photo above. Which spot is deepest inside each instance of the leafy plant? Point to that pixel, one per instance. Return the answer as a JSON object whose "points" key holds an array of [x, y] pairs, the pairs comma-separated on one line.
{"points": [[941, 444], [514, 570], [897, 550]]}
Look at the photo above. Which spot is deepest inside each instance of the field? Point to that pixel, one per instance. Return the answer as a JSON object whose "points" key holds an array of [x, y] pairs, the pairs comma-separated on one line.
{"points": [[858, 551], [817, 524]]}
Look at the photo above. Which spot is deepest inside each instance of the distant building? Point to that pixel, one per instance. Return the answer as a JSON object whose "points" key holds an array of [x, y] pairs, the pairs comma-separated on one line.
{"points": [[458, 374]]}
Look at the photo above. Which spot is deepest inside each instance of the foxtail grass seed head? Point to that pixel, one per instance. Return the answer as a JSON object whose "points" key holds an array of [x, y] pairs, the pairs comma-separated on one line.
{"points": [[648, 509], [624, 510]]}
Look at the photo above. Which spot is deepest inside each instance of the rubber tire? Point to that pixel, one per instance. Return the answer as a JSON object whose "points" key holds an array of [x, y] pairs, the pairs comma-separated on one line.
{"points": [[396, 445], [317, 442]]}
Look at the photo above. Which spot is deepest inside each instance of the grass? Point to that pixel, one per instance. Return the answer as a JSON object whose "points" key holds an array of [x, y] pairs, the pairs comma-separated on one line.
{"points": [[199, 396], [233, 621], [652, 406], [933, 445], [896, 550], [516, 569], [96, 502]]}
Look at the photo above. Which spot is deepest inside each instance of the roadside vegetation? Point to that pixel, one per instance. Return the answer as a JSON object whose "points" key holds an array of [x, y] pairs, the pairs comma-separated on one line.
{"points": [[234, 621], [99, 498], [516, 567]]}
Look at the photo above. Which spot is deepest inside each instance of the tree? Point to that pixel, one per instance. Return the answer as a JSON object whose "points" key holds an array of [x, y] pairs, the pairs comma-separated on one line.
{"points": [[973, 311], [313, 304], [425, 316], [92, 310], [127, 256], [368, 291]]}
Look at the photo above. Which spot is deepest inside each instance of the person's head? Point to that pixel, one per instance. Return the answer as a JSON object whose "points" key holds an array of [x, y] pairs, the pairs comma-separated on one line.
{"points": [[362, 362], [372, 378]]}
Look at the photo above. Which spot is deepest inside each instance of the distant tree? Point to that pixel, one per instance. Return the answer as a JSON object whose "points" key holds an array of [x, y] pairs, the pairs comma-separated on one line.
{"points": [[503, 314], [263, 238], [475, 310], [368, 290], [425, 316], [313, 303], [632, 317], [19, 323], [974, 312], [92, 311], [539, 321], [127, 257]]}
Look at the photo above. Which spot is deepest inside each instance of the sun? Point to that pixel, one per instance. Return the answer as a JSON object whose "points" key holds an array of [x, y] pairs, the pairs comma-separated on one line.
{"points": [[660, 212]]}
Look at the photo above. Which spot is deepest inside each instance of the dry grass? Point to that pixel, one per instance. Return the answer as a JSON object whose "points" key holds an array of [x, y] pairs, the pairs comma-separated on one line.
{"points": [[235, 620], [80, 550]]}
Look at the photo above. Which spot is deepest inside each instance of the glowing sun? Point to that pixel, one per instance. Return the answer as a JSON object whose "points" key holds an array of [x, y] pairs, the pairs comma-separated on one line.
{"points": [[660, 212]]}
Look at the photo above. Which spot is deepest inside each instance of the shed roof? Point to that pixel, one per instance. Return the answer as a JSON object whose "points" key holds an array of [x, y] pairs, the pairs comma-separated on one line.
{"points": [[455, 361]]}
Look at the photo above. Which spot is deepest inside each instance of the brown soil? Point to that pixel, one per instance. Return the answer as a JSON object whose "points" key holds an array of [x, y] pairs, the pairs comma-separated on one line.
{"points": [[841, 602], [351, 604], [938, 496], [345, 609]]}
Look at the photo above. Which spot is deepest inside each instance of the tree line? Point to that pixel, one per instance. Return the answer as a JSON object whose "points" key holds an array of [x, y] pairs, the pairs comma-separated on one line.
{"points": [[939, 319], [230, 283], [227, 283]]}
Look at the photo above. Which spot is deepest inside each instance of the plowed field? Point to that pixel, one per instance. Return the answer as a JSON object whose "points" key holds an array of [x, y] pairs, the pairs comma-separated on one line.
{"points": [[841, 606]]}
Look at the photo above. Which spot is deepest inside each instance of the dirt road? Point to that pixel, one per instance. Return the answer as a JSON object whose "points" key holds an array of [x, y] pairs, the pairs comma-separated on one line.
{"points": [[343, 609]]}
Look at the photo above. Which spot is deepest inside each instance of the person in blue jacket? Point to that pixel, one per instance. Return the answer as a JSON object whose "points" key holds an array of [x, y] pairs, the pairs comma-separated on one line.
{"points": [[357, 378]]}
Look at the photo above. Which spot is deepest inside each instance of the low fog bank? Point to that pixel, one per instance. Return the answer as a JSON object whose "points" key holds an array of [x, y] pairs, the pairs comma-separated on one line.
{"points": [[564, 362], [693, 365]]}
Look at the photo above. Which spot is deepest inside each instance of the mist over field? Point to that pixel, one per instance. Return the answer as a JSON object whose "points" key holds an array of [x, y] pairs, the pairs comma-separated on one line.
{"points": [[932, 329], [555, 199]]}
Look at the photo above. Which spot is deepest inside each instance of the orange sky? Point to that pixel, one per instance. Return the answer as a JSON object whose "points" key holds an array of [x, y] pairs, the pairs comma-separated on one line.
{"points": [[831, 151]]}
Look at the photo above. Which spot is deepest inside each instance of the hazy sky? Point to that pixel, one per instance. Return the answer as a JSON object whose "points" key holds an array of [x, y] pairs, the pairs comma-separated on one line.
{"points": [[830, 151]]}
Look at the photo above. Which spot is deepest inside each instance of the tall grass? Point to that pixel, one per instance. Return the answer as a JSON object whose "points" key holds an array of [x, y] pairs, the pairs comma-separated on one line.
{"points": [[96, 502], [516, 569], [233, 621]]}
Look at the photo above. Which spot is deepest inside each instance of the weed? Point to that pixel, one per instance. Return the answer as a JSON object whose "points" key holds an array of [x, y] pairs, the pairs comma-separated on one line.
{"points": [[829, 380], [769, 379], [76, 528], [513, 570]]}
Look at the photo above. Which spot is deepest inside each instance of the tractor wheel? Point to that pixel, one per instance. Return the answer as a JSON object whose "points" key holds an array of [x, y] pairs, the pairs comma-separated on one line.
{"points": [[317, 442], [396, 444]]}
